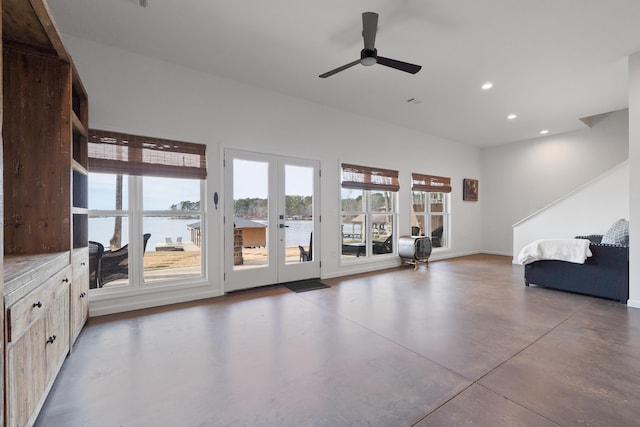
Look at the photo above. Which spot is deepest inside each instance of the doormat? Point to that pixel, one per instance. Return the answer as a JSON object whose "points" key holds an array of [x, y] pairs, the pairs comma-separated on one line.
{"points": [[306, 285]]}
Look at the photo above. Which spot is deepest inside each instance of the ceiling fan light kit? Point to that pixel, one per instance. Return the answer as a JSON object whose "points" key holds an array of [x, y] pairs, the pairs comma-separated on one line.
{"points": [[369, 55]]}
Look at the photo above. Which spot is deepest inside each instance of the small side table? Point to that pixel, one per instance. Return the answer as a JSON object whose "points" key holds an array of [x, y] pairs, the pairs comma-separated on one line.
{"points": [[414, 250]]}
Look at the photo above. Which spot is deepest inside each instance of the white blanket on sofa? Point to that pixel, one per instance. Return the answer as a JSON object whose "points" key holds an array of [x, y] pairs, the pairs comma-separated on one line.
{"points": [[571, 250]]}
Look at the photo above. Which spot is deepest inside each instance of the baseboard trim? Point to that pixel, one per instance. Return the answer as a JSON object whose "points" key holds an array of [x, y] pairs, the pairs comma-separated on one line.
{"points": [[633, 303], [509, 254], [126, 303], [366, 267]]}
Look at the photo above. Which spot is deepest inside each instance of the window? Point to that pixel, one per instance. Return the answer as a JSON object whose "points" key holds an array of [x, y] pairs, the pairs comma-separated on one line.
{"points": [[368, 211], [145, 212], [430, 208]]}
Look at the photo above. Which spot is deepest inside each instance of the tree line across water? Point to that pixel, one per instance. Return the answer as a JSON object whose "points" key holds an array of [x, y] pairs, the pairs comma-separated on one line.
{"points": [[296, 206]]}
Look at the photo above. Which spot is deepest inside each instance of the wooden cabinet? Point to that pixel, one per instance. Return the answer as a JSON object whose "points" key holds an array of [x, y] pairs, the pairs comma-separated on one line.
{"points": [[79, 302], [79, 161], [44, 129], [43, 200], [79, 294], [36, 154], [26, 372], [37, 331]]}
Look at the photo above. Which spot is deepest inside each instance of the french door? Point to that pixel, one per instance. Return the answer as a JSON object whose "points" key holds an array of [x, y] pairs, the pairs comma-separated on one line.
{"points": [[271, 219]]}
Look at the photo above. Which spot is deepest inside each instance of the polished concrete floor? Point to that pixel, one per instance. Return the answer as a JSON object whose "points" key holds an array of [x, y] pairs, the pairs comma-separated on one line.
{"points": [[463, 343]]}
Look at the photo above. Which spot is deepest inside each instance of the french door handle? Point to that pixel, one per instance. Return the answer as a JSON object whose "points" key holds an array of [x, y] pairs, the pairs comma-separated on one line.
{"points": [[284, 226]]}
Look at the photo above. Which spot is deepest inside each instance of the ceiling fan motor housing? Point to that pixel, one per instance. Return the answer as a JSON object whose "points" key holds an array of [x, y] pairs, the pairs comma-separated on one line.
{"points": [[368, 56]]}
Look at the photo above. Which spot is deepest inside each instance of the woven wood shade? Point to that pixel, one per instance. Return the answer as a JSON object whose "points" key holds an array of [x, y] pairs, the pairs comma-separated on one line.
{"points": [[430, 183], [367, 178], [119, 153]]}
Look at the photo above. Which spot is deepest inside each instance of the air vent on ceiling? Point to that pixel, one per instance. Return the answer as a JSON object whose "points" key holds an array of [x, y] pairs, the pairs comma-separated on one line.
{"points": [[141, 3]]}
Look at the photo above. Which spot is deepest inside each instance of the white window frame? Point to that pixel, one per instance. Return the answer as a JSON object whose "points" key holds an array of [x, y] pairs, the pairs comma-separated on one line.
{"points": [[427, 216], [368, 228], [135, 214]]}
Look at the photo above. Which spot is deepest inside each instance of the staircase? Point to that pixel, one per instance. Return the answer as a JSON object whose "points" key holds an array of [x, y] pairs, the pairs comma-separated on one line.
{"points": [[590, 209]]}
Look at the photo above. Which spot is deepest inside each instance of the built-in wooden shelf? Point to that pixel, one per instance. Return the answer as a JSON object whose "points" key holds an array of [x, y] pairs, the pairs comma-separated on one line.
{"points": [[79, 168], [77, 125], [44, 169]]}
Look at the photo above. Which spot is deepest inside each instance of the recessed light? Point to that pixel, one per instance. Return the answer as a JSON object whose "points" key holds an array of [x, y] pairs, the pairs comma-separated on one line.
{"points": [[511, 116], [487, 86], [544, 132]]}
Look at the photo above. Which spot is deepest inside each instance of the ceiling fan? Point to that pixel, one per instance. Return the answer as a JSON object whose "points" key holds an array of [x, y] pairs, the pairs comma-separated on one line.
{"points": [[369, 55]]}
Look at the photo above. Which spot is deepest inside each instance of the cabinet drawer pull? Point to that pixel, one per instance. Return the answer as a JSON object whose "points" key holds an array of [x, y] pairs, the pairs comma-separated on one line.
{"points": [[82, 295], [51, 339], [83, 263], [37, 304], [65, 280]]}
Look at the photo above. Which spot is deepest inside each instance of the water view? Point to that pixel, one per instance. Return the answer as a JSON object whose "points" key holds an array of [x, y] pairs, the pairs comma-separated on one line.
{"points": [[101, 230]]}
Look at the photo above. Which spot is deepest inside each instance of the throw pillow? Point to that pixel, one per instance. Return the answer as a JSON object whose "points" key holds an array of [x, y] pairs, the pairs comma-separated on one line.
{"points": [[618, 233]]}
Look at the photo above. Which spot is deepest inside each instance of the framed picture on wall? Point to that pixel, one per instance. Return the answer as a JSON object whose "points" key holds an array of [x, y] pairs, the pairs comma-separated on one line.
{"points": [[470, 190]]}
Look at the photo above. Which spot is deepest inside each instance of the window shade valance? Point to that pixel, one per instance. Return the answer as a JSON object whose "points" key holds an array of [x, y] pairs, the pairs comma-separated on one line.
{"points": [[119, 153], [368, 178], [430, 183]]}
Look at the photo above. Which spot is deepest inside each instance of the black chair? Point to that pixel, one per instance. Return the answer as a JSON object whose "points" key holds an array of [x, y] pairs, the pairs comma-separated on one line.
{"points": [[96, 250], [436, 237], [304, 255], [383, 247], [307, 255], [115, 264]]}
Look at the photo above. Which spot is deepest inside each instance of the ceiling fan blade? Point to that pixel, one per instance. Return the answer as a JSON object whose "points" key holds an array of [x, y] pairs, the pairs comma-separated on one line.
{"points": [[337, 70], [369, 29], [399, 65]]}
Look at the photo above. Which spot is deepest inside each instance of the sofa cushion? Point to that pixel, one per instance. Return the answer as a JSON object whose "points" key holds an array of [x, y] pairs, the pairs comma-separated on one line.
{"points": [[618, 234]]}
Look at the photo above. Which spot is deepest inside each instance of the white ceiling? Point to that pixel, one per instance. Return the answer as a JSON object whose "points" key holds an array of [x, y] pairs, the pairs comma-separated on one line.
{"points": [[552, 62]]}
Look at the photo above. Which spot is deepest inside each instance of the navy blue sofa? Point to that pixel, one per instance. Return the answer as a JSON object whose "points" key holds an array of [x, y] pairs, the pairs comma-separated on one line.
{"points": [[605, 274]]}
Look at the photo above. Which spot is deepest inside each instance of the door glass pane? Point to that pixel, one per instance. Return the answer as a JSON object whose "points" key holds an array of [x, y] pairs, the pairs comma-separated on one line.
{"points": [[251, 214], [298, 214]]}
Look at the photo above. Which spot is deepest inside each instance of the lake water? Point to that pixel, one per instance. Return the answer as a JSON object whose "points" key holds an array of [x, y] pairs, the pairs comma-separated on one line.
{"points": [[299, 233], [101, 230]]}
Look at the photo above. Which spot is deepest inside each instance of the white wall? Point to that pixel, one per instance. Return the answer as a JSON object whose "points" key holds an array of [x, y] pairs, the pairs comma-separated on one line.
{"points": [[523, 177], [591, 209], [634, 191], [139, 95]]}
